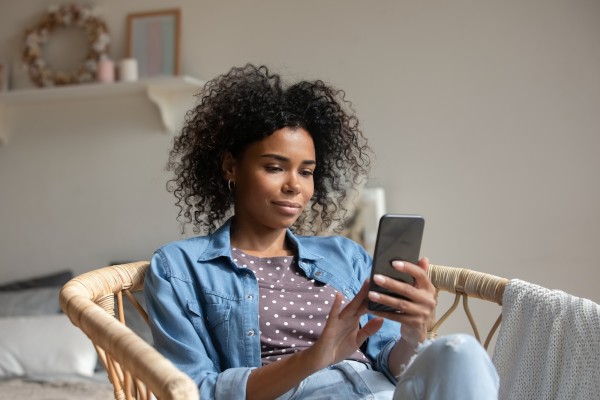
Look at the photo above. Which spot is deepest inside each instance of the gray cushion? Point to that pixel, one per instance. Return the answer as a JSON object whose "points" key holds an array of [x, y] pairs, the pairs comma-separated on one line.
{"points": [[39, 301], [57, 279]]}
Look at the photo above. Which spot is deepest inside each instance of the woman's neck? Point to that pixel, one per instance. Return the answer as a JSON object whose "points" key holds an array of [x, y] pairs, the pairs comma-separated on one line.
{"points": [[271, 243]]}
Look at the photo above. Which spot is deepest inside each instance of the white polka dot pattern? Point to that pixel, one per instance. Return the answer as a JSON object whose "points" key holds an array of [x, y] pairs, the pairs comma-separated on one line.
{"points": [[292, 308]]}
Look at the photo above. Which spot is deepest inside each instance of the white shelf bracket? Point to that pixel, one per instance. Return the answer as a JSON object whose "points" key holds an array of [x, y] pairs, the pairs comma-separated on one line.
{"points": [[173, 96], [172, 103]]}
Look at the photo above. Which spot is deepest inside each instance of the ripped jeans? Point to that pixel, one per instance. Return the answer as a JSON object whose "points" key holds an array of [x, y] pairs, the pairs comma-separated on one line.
{"points": [[451, 367]]}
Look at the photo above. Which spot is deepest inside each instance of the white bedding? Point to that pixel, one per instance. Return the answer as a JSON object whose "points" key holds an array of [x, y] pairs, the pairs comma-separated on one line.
{"points": [[42, 355], [62, 388], [44, 344]]}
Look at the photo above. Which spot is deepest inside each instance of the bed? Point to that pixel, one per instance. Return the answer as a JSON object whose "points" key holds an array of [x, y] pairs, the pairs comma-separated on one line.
{"points": [[42, 355]]}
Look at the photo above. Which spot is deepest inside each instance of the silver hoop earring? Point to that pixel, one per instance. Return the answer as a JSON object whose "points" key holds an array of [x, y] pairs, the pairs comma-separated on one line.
{"points": [[230, 186]]}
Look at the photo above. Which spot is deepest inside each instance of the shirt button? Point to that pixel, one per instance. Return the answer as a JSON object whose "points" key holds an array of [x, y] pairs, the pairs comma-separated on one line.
{"points": [[250, 332], [318, 273], [249, 297]]}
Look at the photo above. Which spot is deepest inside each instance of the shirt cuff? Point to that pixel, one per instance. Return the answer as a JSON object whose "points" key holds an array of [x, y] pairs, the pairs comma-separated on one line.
{"points": [[231, 384], [382, 361]]}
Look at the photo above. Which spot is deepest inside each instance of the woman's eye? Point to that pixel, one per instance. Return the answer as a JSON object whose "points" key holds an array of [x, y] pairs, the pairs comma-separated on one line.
{"points": [[307, 172], [273, 168]]}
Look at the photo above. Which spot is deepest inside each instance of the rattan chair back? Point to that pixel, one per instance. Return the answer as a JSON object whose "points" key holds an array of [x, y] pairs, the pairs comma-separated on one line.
{"points": [[134, 367]]}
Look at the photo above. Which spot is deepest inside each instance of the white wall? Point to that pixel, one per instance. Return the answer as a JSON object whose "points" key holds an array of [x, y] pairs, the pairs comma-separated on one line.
{"points": [[484, 117]]}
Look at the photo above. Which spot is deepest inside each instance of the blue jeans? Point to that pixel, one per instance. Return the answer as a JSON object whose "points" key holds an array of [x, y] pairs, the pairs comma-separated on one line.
{"points": [[451, 367]]}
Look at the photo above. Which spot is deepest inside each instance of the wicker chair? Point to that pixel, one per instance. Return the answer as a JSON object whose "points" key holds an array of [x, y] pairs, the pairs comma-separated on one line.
{"points": [[137, 370]]}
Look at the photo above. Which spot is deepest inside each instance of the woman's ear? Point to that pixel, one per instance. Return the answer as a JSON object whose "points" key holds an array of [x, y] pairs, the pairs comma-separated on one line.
{"points": [[228, 165]]}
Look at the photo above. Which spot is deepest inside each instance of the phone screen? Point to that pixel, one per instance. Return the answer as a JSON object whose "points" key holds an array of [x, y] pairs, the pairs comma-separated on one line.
{"points": [[398, 238]]}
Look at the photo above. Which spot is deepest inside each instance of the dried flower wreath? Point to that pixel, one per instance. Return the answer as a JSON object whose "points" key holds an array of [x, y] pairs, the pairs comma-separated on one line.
{"points": [[74, 15]]}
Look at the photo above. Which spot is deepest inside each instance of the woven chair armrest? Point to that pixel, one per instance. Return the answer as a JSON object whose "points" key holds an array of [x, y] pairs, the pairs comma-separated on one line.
{"points": [[471, 283], [465, 284], [132, 352]]}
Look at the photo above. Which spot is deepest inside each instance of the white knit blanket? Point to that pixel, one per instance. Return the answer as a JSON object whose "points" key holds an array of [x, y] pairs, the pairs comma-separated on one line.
{"points": [[548, 346]]}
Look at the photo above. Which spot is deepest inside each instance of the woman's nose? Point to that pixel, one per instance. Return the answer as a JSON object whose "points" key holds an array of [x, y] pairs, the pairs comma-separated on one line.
{"points": [[292, 185]]}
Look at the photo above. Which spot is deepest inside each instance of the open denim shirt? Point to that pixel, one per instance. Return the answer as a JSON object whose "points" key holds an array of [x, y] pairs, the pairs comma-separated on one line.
{"points": [[203, 308]]}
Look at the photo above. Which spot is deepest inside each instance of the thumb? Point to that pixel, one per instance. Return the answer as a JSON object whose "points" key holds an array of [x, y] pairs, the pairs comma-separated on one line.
{"points": [[368, 330]]}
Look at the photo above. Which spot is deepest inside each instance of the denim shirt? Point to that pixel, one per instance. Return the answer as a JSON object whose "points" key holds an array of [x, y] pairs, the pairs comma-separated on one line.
{"points": [[203, 308]]}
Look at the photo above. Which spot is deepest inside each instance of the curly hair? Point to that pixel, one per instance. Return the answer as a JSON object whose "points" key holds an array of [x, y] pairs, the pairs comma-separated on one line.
{"points": [[246, 105]]}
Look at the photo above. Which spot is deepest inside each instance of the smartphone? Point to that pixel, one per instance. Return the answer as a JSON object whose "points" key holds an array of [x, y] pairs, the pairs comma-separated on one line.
{"points": [[399, 237]]}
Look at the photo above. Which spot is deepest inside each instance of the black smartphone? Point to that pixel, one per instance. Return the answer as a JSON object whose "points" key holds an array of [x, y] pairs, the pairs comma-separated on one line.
{"points": [[399, 237]]}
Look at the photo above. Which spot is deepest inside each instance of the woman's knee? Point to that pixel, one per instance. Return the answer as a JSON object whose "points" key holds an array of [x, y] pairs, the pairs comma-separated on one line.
{"points": [[457, 342], [456, 365], [457, 349]]}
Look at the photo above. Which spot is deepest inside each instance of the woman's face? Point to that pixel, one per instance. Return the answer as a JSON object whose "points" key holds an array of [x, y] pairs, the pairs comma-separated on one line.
{"points": [[274, 179]]}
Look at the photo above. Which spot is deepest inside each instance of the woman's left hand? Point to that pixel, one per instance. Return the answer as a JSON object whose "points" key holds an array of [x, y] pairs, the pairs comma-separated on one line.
{"points": [[416, 309]]}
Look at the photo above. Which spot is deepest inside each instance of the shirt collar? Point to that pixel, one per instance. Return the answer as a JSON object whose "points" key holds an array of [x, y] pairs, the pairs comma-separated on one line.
{"points": [[220, 244]]}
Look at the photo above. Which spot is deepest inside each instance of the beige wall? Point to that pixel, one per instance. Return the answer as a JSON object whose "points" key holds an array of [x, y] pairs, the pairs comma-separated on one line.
{"points": [[485, 118]]}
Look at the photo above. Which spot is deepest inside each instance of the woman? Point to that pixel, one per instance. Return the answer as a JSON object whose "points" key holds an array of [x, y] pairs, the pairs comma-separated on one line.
{"points": [[254, 310]]}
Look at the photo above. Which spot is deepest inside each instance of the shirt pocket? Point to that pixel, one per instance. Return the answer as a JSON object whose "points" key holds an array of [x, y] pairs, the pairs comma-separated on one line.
{"points": [[212, 319], [214, 314]]}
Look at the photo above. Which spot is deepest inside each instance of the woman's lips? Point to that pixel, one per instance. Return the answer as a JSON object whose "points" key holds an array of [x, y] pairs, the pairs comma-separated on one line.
{"points": [[288, 207]]}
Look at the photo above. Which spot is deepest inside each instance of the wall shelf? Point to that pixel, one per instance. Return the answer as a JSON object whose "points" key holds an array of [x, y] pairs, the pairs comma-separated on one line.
{"points": [[172, 96]]}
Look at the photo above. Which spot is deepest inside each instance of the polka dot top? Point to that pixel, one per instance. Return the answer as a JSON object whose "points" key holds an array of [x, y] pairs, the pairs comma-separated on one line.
{"points": [[292, 308]]}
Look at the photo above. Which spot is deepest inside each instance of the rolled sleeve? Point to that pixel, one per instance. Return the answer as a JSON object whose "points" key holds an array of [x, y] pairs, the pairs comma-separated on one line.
{"points": [[231, 384], [382, 361]]}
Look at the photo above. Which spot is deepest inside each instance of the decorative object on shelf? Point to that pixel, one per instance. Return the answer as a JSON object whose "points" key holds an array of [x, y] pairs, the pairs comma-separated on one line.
{"points": [[73, 15], [153, 40], [106, 70], [128, 70]]}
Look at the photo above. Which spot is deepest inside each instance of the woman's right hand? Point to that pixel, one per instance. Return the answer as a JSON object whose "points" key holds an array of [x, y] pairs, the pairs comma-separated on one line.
{"points": [[342, 334], [340, 338]]}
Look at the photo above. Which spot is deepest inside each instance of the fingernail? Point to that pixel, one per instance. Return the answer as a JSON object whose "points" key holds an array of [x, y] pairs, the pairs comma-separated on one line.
{"points": [[374, 296], [398, 264], [378, 278]]}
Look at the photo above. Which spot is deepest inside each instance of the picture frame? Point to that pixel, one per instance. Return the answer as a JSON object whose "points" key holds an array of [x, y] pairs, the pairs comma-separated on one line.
{"points": [[153, 40]]}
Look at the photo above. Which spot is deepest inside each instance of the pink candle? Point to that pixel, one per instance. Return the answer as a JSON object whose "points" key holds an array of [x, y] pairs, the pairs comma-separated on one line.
{"points": [[106, 71]]}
